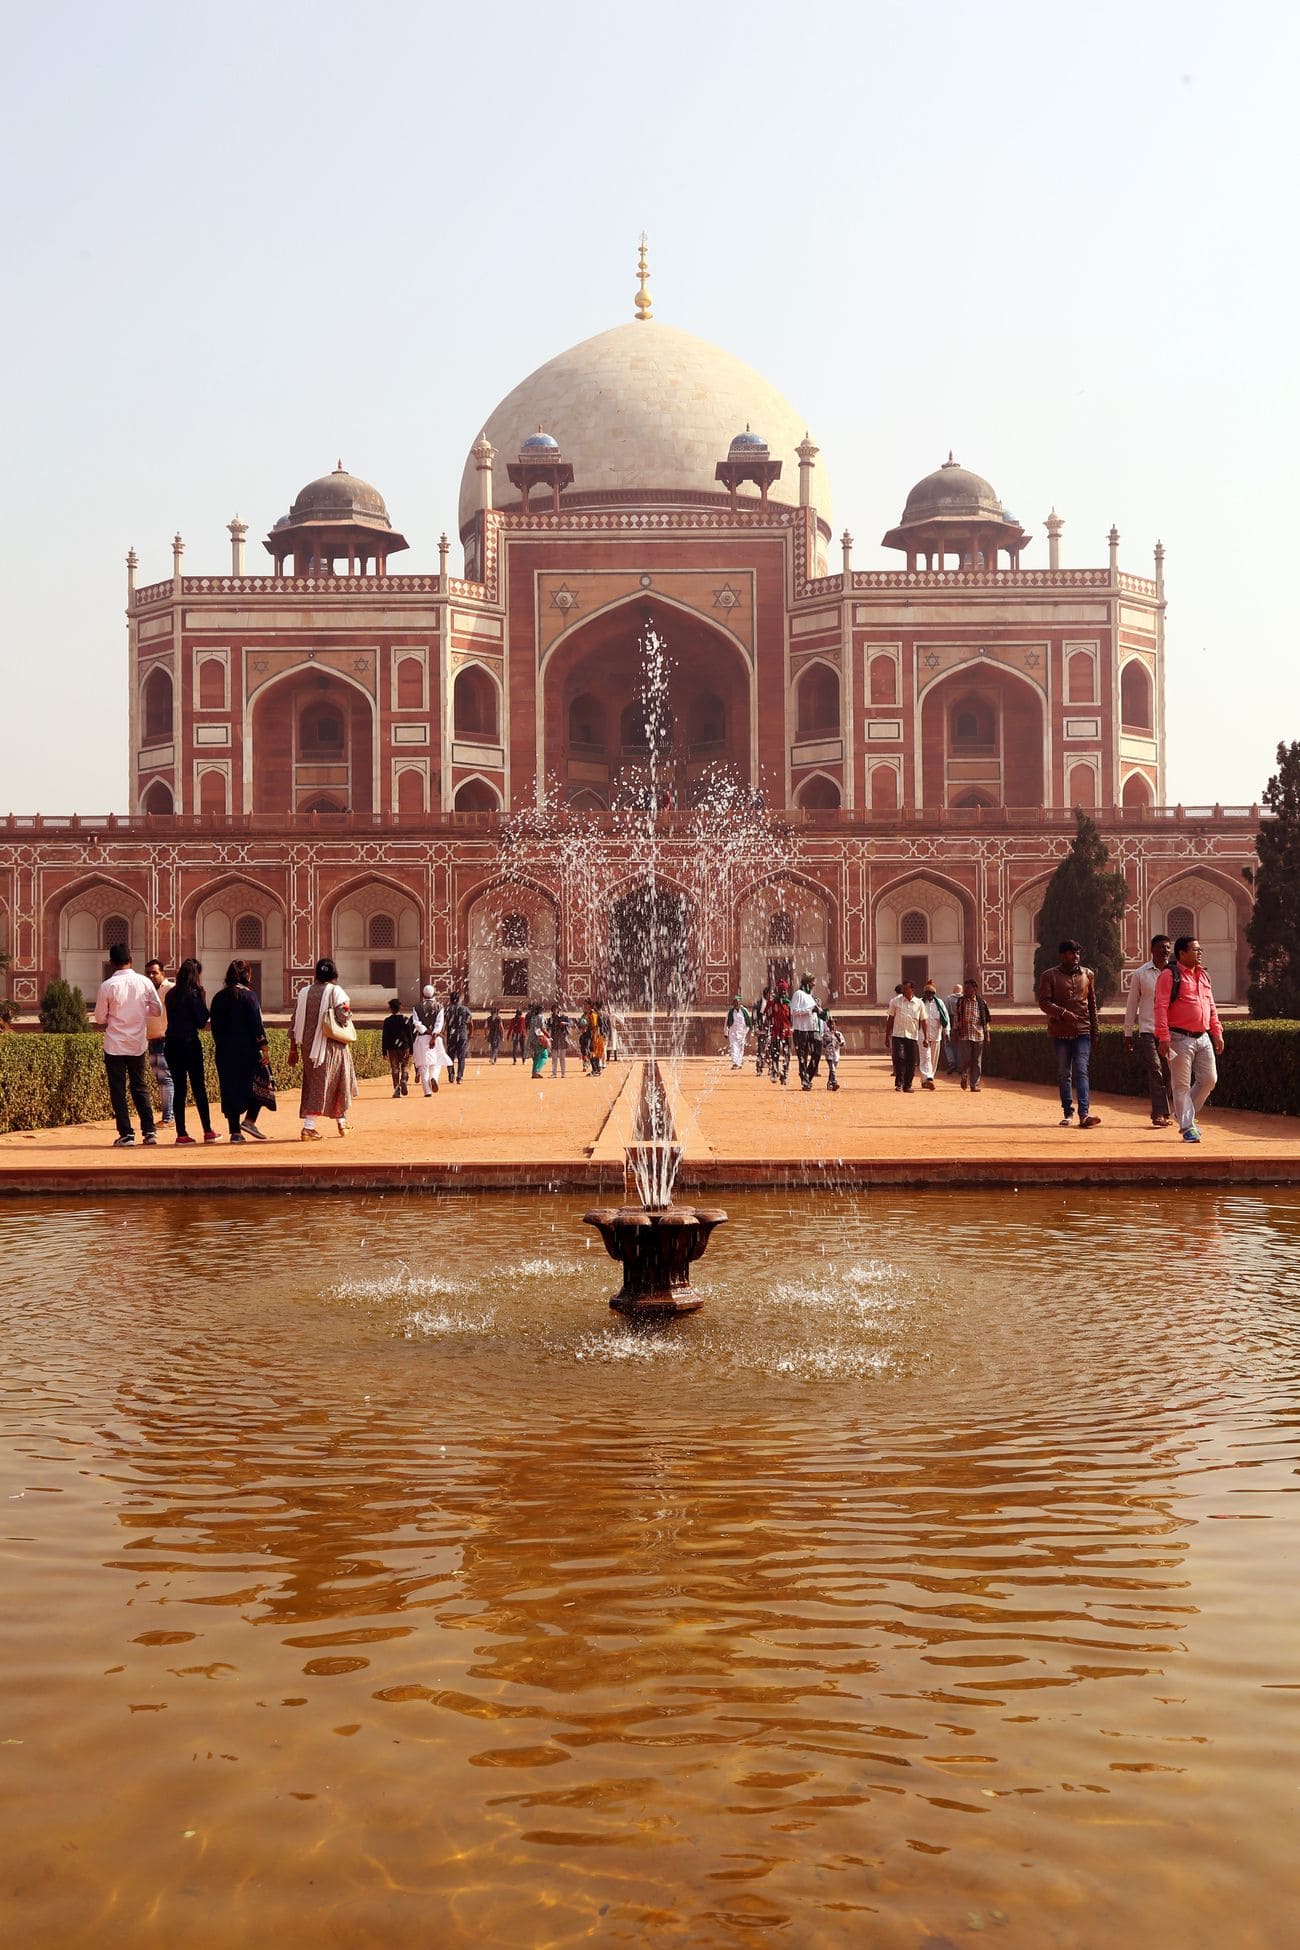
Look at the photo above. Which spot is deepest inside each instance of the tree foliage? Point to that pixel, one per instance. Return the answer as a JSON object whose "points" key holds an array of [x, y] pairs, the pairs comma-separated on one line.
{"points": [[63, 1009], [1274, 926], [1084, 901]]}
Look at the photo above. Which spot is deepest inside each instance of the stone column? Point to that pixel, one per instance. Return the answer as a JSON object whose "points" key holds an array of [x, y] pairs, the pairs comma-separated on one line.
{"points": [[1054, 525], [237, 530], [807, 453]]}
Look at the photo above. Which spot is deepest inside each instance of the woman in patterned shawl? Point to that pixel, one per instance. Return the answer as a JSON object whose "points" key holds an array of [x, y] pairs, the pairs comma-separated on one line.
{"points": [[329, 1080]]}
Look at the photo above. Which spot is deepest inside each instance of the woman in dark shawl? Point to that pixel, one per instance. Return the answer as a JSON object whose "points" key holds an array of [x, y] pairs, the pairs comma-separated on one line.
{"points": [[240, 1045]]}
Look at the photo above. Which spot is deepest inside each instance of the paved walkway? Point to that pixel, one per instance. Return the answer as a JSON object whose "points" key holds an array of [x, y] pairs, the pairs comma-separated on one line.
{"points": [[501, 1129]]}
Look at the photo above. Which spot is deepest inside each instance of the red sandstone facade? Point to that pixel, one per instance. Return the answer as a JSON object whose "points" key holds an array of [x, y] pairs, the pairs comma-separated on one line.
{"points": [[318, 760]]}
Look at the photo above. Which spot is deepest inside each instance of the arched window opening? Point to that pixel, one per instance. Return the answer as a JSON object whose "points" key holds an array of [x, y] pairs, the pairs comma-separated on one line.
{"points": [[322, 803], [914, 928], [474, 706], [476, 796], [884, 681], [1083, 786], [1080, 687], [1137, 791], [157, 707], [1135, 696], [973, 725], [971, 801], [250, 932], [410, 684], [587, 725], [114, 932], [212, 684], [381, 931], [321, 730], [410, 790], [587, 801], [212, 792], [158, 799], [819, 702], [514, 930], [1180, 921], [818, 794], [780, 930]]}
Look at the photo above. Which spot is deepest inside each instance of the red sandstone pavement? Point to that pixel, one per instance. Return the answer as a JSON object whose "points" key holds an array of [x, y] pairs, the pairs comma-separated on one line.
{"points": [[500, 1129]]}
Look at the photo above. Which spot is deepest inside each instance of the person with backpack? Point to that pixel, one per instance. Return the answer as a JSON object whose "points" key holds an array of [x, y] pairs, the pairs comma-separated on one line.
{"points": [[1067, 996], [1189, 1034], [970, 1028]]}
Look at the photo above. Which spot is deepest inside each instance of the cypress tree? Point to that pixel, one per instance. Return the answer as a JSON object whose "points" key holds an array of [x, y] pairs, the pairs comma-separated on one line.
{"points": [[63, 1009], [1273, 930], [1084, 901]]}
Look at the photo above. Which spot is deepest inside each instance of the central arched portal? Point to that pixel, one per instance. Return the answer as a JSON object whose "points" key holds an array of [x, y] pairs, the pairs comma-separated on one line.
{"points": [[653, 949], [600, 715]]}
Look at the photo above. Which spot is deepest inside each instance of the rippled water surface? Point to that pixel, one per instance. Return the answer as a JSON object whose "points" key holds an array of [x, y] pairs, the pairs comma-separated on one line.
{"points": [[366, 1581]]}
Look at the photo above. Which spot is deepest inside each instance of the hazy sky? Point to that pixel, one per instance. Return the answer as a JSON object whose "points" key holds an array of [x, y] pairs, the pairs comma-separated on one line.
{"points": [[243, 241]]}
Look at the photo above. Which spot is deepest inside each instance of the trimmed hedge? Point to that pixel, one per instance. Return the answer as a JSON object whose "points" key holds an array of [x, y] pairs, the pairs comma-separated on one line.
{"points": [[46, 1081], [1259, 1068]]}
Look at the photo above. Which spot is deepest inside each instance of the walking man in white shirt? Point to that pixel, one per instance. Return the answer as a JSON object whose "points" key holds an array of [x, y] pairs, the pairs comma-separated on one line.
{"points": [[937, 1025], [123, 1008], [805, 1030], [908, 1027], [1140, 1016]]}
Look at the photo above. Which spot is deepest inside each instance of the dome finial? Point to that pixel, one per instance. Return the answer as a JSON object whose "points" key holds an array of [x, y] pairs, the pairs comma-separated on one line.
{"points": [[643, 294], [340, 468]]}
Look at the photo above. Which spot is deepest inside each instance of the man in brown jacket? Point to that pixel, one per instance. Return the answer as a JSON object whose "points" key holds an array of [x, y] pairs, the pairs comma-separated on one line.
{"points": [[1067, 996]]}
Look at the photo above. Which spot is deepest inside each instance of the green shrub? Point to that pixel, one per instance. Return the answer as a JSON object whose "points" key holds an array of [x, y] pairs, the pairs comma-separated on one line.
{"points": [[47, 1081], [63, 1010], [1259, 1068]]}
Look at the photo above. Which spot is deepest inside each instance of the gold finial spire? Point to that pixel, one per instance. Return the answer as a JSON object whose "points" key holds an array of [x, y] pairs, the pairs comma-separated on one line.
{"points": [[643, 293]]}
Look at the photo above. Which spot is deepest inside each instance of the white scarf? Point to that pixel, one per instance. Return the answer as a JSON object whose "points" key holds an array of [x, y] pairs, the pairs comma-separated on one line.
{"points": [[321, 1042]]}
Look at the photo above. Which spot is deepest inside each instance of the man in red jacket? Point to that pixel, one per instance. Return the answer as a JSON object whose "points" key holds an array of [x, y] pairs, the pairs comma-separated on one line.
{"points": [[1188, 1032]]}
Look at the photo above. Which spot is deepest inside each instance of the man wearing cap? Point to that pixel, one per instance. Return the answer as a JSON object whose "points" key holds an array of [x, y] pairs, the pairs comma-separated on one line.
{"points": [[428, 1055], [938, 1024]]}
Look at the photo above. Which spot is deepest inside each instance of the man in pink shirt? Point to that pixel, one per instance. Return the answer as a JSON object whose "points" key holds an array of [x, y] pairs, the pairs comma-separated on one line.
{"points": [[123, 1007], [1188, 1032]]}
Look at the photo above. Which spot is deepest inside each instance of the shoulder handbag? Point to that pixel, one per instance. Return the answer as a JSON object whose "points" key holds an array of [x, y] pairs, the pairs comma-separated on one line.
{"points": [[337, 1022]]}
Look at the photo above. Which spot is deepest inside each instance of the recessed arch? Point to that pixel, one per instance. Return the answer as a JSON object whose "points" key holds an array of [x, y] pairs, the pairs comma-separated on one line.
{"points": [[882, 679], [157, 801], [476, 795], [1221, 909], [1137, 793], [780, 920], [157, 707], [950, 931], [1136, 696], [819, 792], [217, 925], [817, 692], [373, 971], [511, 931], [1012, 767], [476, 705], [271, 765], [74, 923]]}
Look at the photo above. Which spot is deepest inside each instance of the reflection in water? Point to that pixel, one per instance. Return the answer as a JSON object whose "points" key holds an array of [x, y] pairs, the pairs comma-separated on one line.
{"points": [[363, 1568]]}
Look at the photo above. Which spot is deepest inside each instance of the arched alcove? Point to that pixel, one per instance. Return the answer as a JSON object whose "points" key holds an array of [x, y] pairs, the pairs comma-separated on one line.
{"points": [[158, 800], [476, 796], [1081, 787], [312, 737], [818, 793], [476, 716], [1193, 904], [1137, 794], [410, 684], [212, 684], [90, 920], [1135, 696], [511, 939], [817, 702], [920, 934], [242, 919], [783, 929], [374, 931], [156, 707], [1080, 679], [982, 731], [883, 680]]}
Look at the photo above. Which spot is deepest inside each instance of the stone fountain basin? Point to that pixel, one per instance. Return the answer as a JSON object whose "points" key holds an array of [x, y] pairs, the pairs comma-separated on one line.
{"points": [[655, 1247]]}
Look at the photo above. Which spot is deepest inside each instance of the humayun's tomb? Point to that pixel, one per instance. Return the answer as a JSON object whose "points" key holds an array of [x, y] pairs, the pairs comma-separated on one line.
{"points": [[320, 755]]}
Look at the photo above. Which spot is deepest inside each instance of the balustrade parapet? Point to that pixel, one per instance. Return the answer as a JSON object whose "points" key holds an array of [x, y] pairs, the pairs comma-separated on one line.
{"points": [[681, 824], [314, 586]]}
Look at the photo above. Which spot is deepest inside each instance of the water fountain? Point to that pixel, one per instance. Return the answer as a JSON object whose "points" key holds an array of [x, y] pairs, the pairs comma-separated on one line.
{"points": [[647, 883], [656, 1240]]}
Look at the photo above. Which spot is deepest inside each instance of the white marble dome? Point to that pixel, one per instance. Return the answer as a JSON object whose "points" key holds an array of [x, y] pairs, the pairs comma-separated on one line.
{"points": [[644, 406]]}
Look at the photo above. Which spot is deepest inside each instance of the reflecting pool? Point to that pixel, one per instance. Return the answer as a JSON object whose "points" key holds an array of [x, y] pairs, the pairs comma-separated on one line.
{"points": [[367, 1581]]}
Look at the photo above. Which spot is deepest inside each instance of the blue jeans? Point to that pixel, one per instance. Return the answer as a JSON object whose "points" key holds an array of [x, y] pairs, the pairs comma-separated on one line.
{"points": [[1073, 1054]]}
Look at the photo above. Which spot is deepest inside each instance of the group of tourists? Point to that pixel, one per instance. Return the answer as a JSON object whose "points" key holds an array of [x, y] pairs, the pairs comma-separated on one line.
{"points": [[784, 1024], [150, 1021], [153, 1023], [928, 1029], [433, 1039], [1170, 1017]]}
